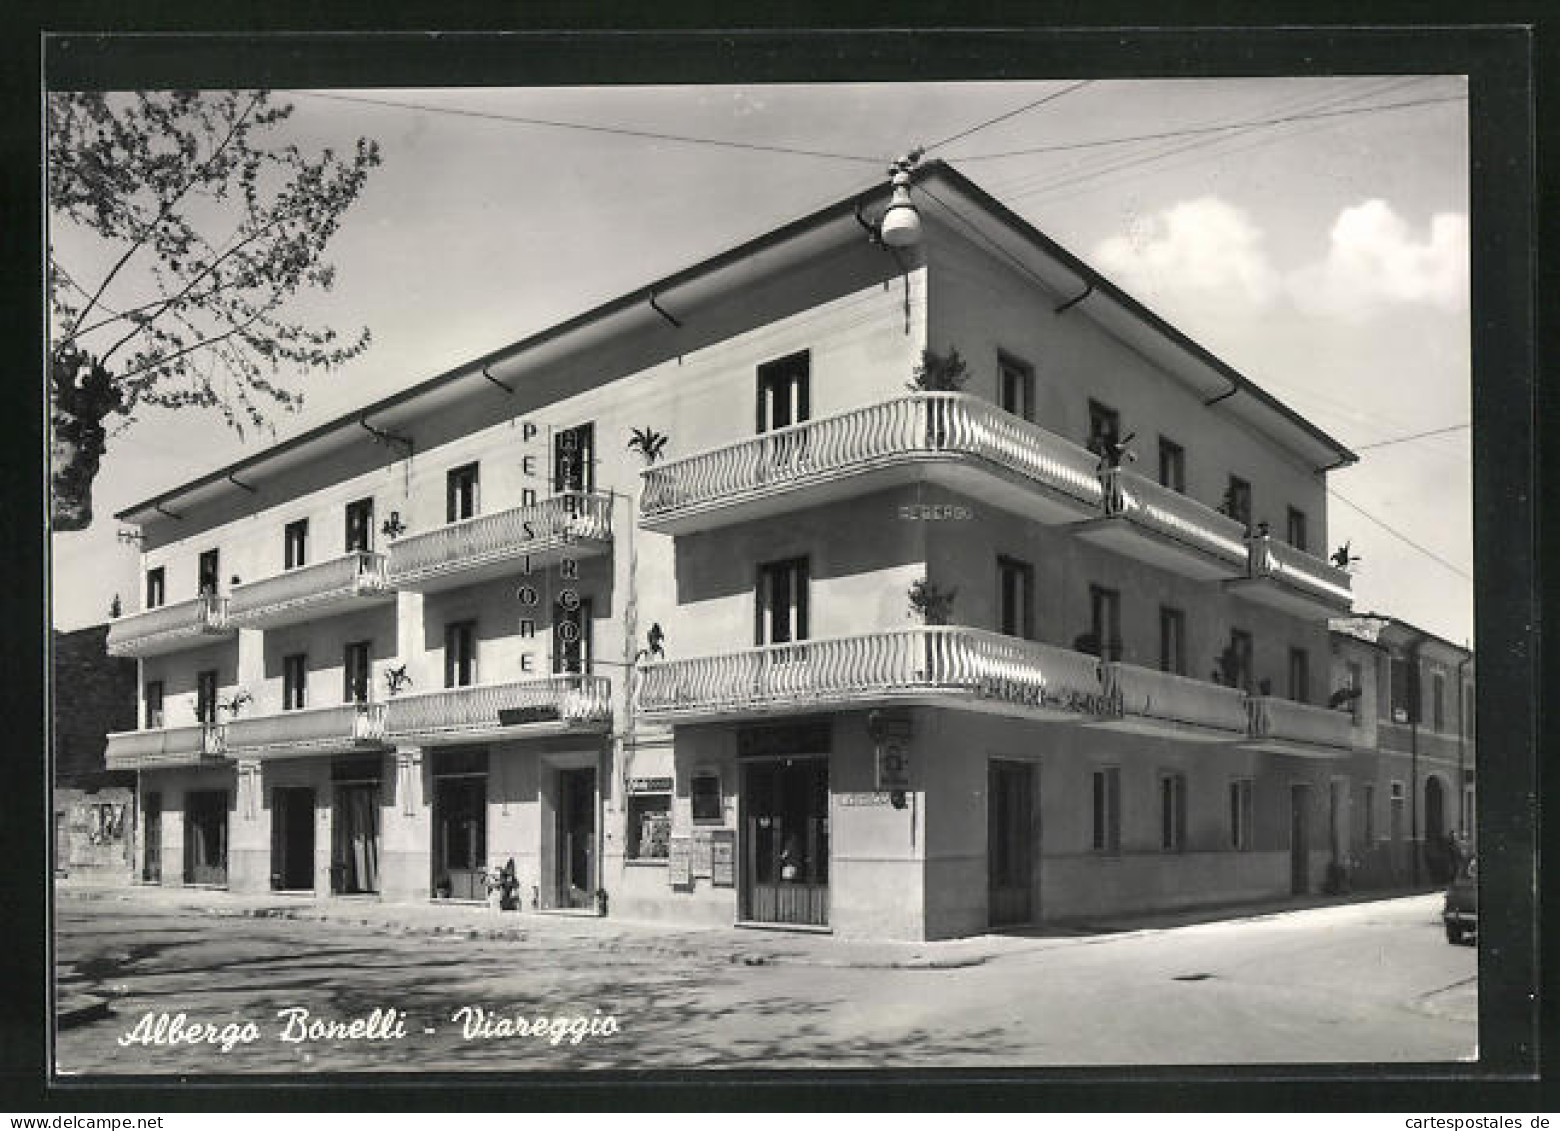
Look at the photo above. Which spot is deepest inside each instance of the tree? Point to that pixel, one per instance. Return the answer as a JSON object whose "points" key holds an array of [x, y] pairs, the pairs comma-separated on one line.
{"points": [[191, 228]]}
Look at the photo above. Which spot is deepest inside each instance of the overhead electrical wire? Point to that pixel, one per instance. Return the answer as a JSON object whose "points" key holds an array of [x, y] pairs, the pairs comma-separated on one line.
{"points": [[1398, 534], [1413, 436], [1052, 97]]}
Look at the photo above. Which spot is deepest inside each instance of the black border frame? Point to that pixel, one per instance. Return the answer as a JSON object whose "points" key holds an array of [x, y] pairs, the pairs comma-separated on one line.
{"points": [[346, 51]]}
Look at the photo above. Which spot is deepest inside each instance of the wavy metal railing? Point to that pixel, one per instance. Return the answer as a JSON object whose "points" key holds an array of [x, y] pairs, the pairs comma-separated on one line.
{"points": [[565, 698], [132, 748], [1158, 508], [1284, 719], [346, 725], [935, 658], [1273, 558], [362, 571], [473, 542], [201, 616], [920, 424], [1145, 693]]}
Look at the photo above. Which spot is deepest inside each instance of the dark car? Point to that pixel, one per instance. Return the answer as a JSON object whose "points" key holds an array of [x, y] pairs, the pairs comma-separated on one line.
{"points": [[1461, 911]]}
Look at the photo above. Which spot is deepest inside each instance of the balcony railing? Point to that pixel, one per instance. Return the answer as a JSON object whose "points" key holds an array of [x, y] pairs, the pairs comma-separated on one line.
{"points": [[489, 710], [1174, 704], [171, 746], [1168, 514], [170, 627], [307, 590], [1281, 562], [574, 523], [315, 730], [939, 427], [1297, 726], [974, 667]]}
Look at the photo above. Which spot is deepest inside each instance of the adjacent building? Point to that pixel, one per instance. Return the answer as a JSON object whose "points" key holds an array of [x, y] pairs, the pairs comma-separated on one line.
{"points": [[93, 694], [742, 599]]}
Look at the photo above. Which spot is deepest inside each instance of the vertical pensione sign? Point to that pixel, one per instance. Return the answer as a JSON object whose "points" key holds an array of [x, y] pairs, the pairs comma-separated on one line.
{"points": [[551, 522]]}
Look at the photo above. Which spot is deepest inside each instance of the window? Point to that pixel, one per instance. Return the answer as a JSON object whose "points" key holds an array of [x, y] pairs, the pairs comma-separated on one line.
{"points": [[156, 591], [1240, 815], [1237, 501], [649, 826], [1104, 427], [572, 638], [784, 392], [355, 672], [460, 493], [1402, 691], [1172, 465], [1016, 381], [295, 540], [154, 704], [210, 572], [574, 459], [1397, 811], [360, 525], [1355, 682], [1370, 814], [1172, 640], [1016, 597], [1172, 812], [781, 607], [704, 798], [1107, 810], [1105, 614], [1296, 527], [206, 696], [1299, 675], [460, 654], [1237, 661], [295, 672], [1437, 700]]}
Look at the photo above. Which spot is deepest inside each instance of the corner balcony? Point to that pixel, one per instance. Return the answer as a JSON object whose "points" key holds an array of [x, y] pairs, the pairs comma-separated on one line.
{"points": [[323, 589], [1282, 726], [170, 746], [1293, 581], [315, 730], [1154, 524], [1174, 706], [475, 549], [170, 628], [968, 668], [501, 710], [960, 441]]}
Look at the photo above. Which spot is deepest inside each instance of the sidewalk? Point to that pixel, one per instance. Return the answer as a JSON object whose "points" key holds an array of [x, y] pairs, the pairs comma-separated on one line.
{"points": [[547, 930]]}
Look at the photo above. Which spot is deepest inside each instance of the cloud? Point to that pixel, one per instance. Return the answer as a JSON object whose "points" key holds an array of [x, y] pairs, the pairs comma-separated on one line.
{"points": [[1375, 261], [1204, 249]]}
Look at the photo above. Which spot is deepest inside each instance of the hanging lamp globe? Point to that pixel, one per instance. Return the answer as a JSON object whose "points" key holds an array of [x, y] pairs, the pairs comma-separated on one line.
{"points": [[901, 223]]}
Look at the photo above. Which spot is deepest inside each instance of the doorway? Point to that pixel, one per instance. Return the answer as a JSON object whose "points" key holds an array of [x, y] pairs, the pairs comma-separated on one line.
{"points": [[576, 838], [459, 824], [151, 845], [1299, 839], [1010, 842], [785, 806], [354, 849], [205, 837], [292, 838]]}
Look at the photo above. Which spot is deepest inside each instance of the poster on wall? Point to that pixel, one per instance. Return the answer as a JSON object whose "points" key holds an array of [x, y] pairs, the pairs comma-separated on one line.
{"points": [[701, 854], [679, 871], [723, 858]]}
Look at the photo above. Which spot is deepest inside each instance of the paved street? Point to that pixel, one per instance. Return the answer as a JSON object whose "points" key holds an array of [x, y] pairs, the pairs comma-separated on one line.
{"points": [[1364, 981]]}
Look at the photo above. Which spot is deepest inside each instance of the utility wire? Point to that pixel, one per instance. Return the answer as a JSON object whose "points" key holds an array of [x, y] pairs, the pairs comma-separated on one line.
{"points": [[1190, 131], [1414, 436], [1052, 97], [1398, 534], [516, 119]]}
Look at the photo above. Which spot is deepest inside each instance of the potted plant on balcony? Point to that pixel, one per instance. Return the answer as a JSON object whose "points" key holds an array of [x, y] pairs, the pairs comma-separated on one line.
{"points": [[397, 680], [930, 603], [649, 443], [236, 702], [937, 373]]}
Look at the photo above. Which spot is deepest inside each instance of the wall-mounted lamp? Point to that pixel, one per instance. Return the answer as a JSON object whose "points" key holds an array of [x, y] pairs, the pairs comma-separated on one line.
{"points": [[901, 223]]}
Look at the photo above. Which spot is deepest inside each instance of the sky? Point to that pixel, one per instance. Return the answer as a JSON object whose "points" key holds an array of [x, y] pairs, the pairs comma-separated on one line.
{"points": [[1324, 255]]}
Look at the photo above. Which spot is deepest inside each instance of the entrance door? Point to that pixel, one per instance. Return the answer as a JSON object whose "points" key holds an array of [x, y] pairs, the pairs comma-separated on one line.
{"points": [[1010, 843], [292, 838], [459, 837], [151, 864], [577, 837], [785, 805], [205, 836], [1299, 839], [354, 848]]}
